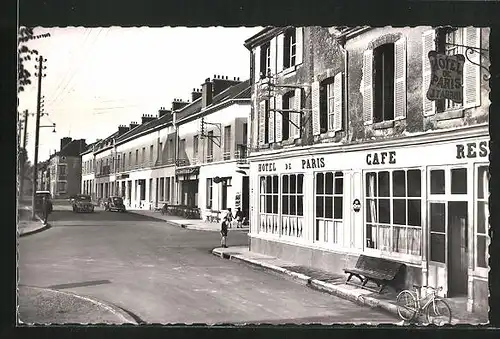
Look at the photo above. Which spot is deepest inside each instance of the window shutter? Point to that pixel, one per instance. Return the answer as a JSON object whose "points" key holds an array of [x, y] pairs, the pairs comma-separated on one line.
{"points": [[272, 51], [337, 99], [429, 106], [279, 118], [471, 79], [279, 53], [272, 114], [400, 79], [368, 86], [262, 123], [297, 117], [315, 107], [256, 63], [299, 36]]}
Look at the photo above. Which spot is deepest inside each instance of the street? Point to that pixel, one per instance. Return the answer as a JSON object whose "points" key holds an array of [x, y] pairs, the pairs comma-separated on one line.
{"points": [[166, 274]]}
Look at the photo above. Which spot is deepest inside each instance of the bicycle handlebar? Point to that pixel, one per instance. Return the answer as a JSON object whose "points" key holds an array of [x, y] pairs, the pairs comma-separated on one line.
{"points": [[433, 288]]}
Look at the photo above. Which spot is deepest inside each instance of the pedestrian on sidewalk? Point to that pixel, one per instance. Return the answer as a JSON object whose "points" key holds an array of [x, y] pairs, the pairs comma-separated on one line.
{"points": [[223, 232], [229, 217], [45, 210], [239, 218]]}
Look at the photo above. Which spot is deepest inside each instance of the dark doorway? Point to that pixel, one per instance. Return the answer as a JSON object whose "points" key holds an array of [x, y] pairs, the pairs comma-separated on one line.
{"points": [[245, 194], [457, 248], [190, 193]]}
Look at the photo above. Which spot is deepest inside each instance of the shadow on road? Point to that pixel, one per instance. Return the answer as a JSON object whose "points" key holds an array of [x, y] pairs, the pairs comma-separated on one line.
{"points": [[99, 215]]}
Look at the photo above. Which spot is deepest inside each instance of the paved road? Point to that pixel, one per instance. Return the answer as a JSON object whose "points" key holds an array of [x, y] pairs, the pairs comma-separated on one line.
{"points": [[166, 274]]}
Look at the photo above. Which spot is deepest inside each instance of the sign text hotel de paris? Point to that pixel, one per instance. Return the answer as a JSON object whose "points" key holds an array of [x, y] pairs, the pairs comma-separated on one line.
{"points": [[446, 77]]}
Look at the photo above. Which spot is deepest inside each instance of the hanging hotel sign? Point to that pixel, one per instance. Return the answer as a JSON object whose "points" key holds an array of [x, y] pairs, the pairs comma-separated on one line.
{"points": [[188, 171], [447, 73]]}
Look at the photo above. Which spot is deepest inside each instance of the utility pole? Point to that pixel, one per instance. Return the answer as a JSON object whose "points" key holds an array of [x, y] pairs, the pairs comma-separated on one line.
{"points": [[24, 154], [41, 60]]}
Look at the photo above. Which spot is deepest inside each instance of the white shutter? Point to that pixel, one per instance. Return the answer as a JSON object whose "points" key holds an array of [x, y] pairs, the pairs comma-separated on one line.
{"points": [[315, 108], [337, 102], [471, 79], [272, 114], [262, 122], [368, 86], [256, 59], [279, 118], [400, 79], [279, 52], [255, 121], [272, 51], [428, 44], [299, 45], [297, 117]]}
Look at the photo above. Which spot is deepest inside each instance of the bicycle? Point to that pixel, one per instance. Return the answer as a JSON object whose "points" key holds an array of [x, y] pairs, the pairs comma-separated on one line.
{"points": [[409, 304]]}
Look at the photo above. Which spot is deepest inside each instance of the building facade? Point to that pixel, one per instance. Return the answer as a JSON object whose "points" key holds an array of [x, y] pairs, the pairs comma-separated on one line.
{"points": [[349, 157], [88, 171]]}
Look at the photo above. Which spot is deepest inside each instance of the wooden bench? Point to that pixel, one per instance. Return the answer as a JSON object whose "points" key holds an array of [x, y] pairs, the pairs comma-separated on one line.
{"points": [[380, 271]]}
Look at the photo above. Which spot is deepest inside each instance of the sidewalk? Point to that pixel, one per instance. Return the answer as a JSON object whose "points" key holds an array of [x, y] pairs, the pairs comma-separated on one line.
{"points": [[48, 306], [335, 284], [193, 224], [26, 226]]}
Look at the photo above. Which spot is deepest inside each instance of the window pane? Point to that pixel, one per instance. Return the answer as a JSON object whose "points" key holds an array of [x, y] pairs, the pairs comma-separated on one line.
{"points": [[284, 181], [459, 181], [319, 207], [399, 212], [437, 217], [482, 182], [293, 183], [437, 182], [275, 204], [339, 185], [284, 203], [329, 207], [398, 184], [371, 184], [275, 184], [482, 213], [269, 203], [300, 205], [371, 235], [414, 183], [268, 185], [329, 183], [414, 213], [371, 210], [319, 183], [293, 205], [300, 183], [337, 208], [437, 247], [384, 211], [383, 184], [481, 251]]}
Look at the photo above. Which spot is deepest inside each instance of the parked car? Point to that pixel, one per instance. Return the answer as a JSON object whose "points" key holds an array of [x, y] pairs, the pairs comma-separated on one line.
{"points": [[72, 198], [38, 200], [82, 203], [114, 203]]}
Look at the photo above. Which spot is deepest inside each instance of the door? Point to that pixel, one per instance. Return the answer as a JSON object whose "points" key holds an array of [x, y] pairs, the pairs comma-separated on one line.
{"points": [[245, 195], [457, 248]]}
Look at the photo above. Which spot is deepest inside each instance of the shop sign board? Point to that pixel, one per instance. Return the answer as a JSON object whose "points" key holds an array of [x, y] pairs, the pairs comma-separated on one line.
{"points": [[447, 73]]}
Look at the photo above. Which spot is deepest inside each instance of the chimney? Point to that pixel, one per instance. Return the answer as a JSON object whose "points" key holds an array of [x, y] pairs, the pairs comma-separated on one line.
{"points": [[122, 129], [195, 94], [147, 118], [221, 83], [162, 111], [65, 141], [177, 104], [206, 93], [133, 125]]}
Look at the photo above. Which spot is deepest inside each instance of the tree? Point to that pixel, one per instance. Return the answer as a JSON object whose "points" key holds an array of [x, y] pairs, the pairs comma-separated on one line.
{"points": [[25, 34]]}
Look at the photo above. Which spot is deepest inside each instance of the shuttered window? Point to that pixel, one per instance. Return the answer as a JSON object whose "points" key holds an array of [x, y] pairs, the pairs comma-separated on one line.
{"points": [[290, 48], [265, 58], [271, 115], [326, 105], [383, 89], [281, 119], [428, 44], [315, 107], [288, 102]]}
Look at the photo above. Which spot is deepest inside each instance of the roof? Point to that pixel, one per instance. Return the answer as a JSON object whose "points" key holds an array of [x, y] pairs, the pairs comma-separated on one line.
{"points": [[105, 143], [145, 127]]}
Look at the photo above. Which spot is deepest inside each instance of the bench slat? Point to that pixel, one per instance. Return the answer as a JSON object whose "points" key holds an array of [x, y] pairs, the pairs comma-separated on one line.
{"points": [[379, 270]]}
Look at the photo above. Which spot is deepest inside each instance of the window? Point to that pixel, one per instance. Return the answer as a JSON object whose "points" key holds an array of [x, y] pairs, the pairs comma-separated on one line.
{"points": [[245, 133], [160, 152], [383, 88], [171, 150], [268, 204], [227, 142], [393, 211], [61, 186], [195, 146], [167, 189], [481, 217], [326, 117], [123, 164], [445, 36], [210, 146], [292, 204], [143, 160], [182, 149], [209, 192], [136, 157], [329, 207], [162, 188], [265, 58], [290, 48], [129, 159], [151, 150], [225, 184], [118, 163], [288, 104], [62, 171], [266, 121]]}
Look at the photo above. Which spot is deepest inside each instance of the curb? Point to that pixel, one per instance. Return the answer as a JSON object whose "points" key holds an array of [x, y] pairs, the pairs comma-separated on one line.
{"points": [[36, 230], [318, 284], [125, 317]]}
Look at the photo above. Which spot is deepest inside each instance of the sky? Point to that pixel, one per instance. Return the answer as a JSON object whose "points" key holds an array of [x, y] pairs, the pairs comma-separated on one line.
{"points": [[99, 78]]}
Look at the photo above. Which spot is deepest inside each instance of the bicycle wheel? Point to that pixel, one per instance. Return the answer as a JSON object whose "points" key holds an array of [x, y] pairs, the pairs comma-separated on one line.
{"points": [[438, 313], [407, 305]]}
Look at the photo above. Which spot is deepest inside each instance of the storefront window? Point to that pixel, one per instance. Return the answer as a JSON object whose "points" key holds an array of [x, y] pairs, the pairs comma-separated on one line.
{"points": [[329, 205], [268, 204], [393, 211], [209, 192], [482, 214], [292, 204]]}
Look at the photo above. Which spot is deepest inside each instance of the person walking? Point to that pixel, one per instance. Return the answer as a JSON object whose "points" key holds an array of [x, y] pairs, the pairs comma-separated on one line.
{"points": [[229, 217], [223, 232], [45, 210], [239, 218]]}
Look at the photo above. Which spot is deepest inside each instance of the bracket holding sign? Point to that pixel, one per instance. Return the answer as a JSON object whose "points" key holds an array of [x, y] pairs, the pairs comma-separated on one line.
{"points": [[471, 50]]}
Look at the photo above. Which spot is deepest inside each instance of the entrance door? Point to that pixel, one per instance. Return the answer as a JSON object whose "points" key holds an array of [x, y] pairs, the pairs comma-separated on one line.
{"points": [[245, 194], [457, 248]]}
